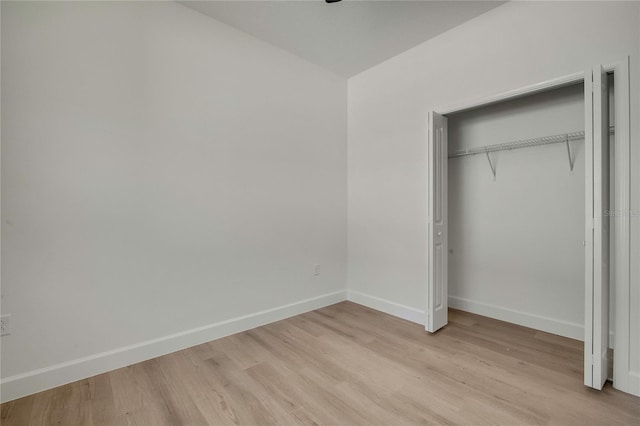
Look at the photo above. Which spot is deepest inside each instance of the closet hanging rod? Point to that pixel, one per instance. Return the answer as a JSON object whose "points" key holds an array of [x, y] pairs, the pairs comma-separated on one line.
{"points": [[526, 143]]}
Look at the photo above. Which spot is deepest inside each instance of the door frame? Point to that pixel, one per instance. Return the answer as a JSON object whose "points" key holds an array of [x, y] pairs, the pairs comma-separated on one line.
{"points": [[621, 207]]}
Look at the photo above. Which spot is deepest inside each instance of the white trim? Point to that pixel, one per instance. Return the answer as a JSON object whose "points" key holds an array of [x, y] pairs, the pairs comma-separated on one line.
{"points": [[555, 83], [56, 375], [526, 319], [589, 359], [388, 307], [623, 378], [546, 324]]}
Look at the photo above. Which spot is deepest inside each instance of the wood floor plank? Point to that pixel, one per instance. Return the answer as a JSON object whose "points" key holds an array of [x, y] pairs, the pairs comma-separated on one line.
{"points": [[345, 365], [17, 412]]}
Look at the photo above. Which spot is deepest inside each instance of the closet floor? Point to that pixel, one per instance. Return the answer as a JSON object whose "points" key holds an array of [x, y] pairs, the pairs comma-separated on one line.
{"points": [[344, 365]]}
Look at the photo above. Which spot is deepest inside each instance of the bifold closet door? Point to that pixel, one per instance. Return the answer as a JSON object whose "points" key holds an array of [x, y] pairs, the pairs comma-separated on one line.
{"points": [[437, 239], [596, 341]]}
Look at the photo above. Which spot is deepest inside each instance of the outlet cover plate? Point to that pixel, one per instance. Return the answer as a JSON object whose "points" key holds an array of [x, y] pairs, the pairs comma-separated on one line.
{"points": [[5, 325]]}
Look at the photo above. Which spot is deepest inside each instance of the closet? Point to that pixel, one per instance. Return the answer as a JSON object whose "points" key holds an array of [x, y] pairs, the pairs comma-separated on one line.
{"points": [[516, 211], [521, 195]]}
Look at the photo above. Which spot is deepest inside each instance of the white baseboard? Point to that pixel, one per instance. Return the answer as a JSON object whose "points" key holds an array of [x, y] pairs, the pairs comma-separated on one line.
{"points": [[56, 375], [550, 325], [392, 308]]}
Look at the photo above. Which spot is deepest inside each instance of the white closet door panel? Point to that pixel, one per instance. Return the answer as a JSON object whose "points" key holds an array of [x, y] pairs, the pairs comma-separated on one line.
{"points": [[597, 230], [437, 305]]}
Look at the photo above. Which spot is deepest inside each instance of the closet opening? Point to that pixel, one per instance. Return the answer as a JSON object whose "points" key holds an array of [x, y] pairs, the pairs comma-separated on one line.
{"points": [[516, 223], [522, 226]]}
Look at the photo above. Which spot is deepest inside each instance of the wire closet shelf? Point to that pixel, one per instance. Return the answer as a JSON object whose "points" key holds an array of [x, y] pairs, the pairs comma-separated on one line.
{"points": [[526, 143]]}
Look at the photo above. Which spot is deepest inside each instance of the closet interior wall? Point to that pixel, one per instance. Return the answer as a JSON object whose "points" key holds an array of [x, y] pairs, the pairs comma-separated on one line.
{"points": [[516, 242]]}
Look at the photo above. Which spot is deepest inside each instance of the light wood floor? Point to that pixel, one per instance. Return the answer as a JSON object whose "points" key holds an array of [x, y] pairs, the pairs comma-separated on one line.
{"points": [[345, 365]]}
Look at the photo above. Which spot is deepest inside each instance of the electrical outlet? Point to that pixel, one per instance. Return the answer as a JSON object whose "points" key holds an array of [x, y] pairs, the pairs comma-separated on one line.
{"points": [[316, 270], [5, 324]]}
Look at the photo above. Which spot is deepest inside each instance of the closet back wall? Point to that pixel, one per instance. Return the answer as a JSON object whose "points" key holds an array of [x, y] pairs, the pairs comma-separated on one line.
{"points": [[515, 243]]}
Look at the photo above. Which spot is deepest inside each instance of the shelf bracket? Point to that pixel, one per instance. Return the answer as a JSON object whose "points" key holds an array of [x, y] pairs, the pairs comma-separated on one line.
{"points": [[571, 159], [491, 164]]}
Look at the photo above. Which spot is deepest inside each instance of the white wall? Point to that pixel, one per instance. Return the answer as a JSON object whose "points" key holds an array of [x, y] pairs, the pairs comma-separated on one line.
{"points": [[501, 231], [161, 172], [514, 45]]}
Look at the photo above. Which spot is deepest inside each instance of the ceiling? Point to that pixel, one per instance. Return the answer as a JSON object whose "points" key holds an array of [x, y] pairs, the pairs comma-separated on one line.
{"points": [[346, 37]]}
